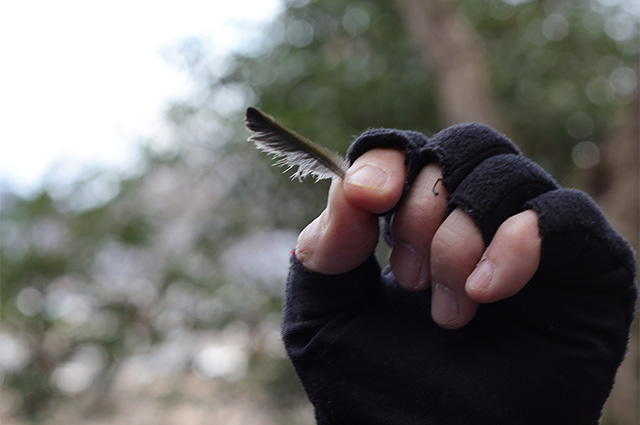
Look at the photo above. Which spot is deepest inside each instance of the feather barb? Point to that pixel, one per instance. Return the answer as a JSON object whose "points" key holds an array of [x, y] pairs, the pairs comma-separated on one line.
{"points": [[292, 149]]}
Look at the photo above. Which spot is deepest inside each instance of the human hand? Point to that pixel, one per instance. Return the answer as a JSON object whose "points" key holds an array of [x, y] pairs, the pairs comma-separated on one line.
{"points": [[537, 339], [428, 250]]}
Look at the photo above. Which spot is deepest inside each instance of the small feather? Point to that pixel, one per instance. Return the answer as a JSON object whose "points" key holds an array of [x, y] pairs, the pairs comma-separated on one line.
{"points": [[292, 149]]}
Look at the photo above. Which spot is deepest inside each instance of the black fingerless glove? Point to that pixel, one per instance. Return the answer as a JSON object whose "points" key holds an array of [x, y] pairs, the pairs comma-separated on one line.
{"points": [[368, 352]]}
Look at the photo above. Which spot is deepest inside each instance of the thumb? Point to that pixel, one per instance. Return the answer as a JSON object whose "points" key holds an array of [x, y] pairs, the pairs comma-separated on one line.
{"points": [[346, 233]]}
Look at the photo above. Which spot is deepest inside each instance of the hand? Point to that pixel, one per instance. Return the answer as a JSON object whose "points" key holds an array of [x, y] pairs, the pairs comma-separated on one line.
{"points": [[557, 280], [448, 255]]}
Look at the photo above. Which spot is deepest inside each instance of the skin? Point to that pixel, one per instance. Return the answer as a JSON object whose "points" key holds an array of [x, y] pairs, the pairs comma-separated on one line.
{"points": [[448, 256]]}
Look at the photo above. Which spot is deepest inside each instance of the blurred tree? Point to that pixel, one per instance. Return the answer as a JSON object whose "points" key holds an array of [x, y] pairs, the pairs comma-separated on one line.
{"points": [[144, 298], [450, 46], [615, 184]]}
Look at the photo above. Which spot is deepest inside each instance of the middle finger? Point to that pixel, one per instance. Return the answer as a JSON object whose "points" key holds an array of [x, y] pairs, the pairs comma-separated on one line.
{"points": [[413, 227]]}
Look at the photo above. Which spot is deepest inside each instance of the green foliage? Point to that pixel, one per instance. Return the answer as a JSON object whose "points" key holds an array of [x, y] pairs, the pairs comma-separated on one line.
{"points": [[341, 68], [557, 72]]}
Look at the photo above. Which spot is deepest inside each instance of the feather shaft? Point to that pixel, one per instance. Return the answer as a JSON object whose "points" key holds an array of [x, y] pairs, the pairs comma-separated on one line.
{"points": [[292, 149]]}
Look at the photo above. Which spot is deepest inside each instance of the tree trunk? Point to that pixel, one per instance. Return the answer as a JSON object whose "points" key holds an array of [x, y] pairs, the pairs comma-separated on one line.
{"points": [[450, 47], [615, 185]]}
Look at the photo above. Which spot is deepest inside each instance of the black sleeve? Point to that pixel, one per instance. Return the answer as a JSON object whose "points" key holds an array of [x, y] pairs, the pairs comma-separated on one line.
{"points": [[368, 352]]}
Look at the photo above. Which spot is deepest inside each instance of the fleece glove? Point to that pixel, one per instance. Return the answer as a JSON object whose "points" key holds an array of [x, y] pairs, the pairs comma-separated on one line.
{"points": [[368, 351]]}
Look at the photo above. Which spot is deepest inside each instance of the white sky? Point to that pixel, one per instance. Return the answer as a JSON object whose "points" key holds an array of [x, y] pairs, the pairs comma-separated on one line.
{"points": [[82, 82]]}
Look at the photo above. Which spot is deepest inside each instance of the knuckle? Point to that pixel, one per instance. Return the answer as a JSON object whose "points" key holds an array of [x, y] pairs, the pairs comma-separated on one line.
{"points": [[520, 230], [457, 244]]}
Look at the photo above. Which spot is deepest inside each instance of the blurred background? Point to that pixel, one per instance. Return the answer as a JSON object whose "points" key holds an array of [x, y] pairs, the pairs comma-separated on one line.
{"points": [[144, 243]]}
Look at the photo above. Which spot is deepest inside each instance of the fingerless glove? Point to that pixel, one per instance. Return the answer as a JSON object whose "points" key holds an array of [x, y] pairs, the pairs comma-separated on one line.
{"points": [[368, 352]]}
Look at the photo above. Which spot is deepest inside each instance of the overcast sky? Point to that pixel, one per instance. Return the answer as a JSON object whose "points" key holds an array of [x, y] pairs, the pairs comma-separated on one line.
{"points": [[83, 82]]}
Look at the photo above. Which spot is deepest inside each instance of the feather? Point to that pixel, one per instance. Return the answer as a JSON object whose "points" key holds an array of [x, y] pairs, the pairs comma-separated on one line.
{"points": [[293, 149]]}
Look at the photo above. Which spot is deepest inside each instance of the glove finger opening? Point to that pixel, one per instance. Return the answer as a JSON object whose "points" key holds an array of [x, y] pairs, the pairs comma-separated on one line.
{"points": [[498, 188]]}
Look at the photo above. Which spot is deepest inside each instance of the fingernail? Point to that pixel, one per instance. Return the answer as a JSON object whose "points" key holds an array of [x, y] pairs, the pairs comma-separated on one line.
{"points": [[480, 279], [407, 265], [444, 305], [369, 176]]}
